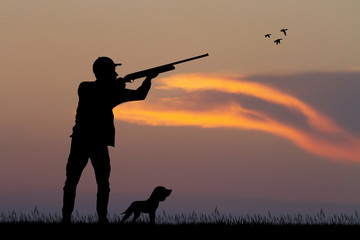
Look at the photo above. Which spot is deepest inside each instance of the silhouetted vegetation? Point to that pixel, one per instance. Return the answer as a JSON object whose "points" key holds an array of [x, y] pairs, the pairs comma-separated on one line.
{"points": [[35, 216], [184, 223]]}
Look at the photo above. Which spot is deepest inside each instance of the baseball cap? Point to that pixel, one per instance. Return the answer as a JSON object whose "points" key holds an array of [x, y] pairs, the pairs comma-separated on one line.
{"points": [[104, 64]]}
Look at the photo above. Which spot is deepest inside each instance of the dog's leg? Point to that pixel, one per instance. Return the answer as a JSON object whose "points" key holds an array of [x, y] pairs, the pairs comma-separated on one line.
{"points": [[127, 215], [136, 216], [152, 217]]}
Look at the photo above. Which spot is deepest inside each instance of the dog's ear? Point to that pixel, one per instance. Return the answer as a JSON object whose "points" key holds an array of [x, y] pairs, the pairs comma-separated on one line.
{"points": [[159, 190], [161, 193]]}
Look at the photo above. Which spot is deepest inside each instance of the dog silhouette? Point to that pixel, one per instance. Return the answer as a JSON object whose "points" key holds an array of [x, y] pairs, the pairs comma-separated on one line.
{"points": [[149, 206]]}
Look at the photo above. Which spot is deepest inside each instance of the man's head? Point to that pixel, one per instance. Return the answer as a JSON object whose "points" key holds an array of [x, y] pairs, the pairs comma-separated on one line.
{"points": [[104, 68]]}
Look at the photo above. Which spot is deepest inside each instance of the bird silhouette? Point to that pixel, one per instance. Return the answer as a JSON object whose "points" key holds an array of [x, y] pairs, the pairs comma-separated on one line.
{"points": [[284, 30], [277, 41], [268, 35]]}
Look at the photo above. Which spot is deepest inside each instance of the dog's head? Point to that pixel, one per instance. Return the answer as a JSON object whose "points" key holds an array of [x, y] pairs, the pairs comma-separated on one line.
{"points": [[160, 193]]}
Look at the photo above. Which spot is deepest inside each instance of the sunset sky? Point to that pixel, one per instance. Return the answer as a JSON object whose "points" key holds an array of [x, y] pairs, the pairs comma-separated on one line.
{"points": [[254, 127]]}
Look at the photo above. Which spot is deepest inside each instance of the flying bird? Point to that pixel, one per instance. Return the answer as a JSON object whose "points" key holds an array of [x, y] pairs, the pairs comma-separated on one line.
{"points": [[268, 35], [284, 30], [277, 41]]}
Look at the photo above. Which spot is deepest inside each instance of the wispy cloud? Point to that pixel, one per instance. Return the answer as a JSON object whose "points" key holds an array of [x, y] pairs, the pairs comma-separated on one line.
{"points": [[321, 136]]}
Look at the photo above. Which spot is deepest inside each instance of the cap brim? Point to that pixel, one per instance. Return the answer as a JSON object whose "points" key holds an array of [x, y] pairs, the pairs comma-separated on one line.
{"points": [[117, 64]]}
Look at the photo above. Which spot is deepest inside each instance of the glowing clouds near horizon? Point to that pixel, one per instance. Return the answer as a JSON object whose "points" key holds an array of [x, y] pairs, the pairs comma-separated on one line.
{"points": [[313, 131]]}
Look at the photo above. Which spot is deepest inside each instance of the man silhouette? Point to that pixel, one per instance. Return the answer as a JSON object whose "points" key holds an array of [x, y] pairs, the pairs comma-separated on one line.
{"points": [[94, 131]]}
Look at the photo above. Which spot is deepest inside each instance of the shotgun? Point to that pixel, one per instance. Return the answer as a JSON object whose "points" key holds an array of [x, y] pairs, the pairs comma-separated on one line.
{"points": [[160, 69]]}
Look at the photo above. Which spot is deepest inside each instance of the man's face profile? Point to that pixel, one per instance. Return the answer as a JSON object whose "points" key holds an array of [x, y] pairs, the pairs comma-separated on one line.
{"points": [[104, 69]]}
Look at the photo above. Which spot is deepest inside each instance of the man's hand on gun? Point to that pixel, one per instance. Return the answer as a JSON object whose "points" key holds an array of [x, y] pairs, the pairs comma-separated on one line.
{"points": [[151, 76]]}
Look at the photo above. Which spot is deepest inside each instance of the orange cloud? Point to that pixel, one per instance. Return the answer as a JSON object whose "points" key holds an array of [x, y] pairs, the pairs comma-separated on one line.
{"points": [[318, 139], [196, 82]]}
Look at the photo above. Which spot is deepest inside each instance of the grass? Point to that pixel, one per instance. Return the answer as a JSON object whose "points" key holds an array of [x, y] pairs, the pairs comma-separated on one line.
{"points": [[35, 216], [190, 223]]}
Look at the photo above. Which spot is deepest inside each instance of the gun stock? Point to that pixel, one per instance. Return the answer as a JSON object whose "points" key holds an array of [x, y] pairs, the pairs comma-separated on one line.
{"points": [[160, 69]]}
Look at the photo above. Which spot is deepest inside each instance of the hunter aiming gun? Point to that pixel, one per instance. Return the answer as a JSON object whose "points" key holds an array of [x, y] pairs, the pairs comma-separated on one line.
{"points": [[160, 69]]}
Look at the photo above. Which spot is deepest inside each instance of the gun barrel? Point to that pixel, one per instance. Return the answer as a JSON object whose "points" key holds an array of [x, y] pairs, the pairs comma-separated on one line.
{"points": [[132, 76], [160, 69], [190, 59]]}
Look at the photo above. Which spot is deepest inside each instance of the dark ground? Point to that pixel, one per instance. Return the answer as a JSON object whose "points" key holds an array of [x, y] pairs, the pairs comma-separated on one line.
{"points": [[171, 231]]}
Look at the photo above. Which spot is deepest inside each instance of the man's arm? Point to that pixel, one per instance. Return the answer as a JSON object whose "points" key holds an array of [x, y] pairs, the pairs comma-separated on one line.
{"points": [[127, 95]]}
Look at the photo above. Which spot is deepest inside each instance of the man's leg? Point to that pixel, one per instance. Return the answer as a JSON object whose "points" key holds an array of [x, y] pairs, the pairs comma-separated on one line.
{"points": [[76, 163], [101, 162]]}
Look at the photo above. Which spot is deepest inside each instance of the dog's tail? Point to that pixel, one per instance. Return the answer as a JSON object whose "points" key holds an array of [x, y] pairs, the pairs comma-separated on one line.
{"points": [[128, 210]]}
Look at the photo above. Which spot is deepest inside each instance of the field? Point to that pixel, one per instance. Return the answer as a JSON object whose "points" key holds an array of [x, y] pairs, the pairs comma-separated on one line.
{"points": [[181, 225]]}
